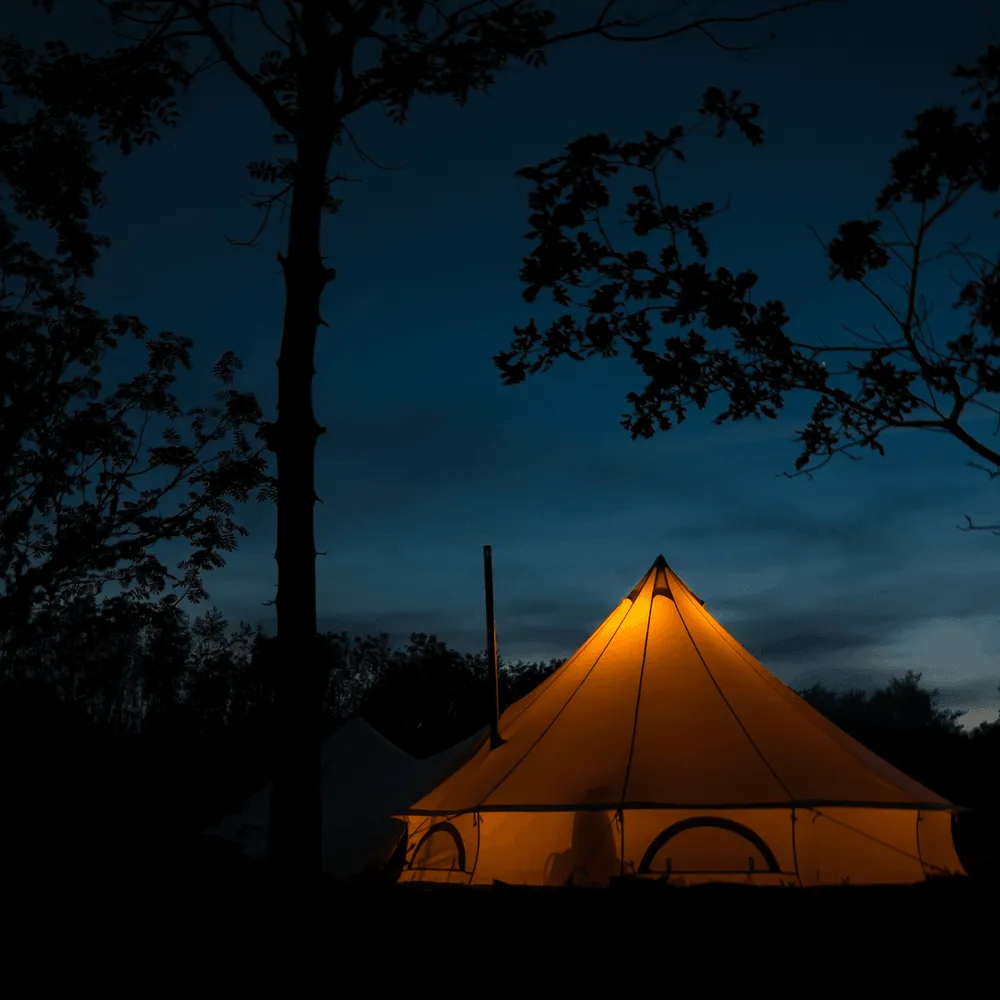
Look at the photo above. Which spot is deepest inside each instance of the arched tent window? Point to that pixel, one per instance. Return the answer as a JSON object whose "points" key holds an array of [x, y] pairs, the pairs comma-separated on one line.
{"points": [[440, 849], [708, 845]]}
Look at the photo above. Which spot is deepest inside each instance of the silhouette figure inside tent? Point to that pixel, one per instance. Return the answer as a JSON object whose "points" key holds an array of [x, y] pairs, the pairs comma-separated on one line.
{"points": [[592, 857]]}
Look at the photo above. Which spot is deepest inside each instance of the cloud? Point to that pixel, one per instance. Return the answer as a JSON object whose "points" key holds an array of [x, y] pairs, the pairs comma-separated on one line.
{"points": [[782, 637], [792, 528], [468, 456], [390, 460], [551, 627], [797, 626], [840, 679], [971, 693]]}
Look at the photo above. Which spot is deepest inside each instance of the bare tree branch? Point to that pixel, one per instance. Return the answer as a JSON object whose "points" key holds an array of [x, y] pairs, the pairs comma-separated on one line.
{"points": [[203, 18], [970, 526], [604, 27]]}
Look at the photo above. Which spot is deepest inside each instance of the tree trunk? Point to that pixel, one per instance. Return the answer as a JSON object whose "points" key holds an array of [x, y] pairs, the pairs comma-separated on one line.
{"points": [[295, 822]]}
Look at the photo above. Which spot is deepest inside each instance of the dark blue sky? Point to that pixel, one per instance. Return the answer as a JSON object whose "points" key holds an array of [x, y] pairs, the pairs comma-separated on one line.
{"points": [[427, 456]]}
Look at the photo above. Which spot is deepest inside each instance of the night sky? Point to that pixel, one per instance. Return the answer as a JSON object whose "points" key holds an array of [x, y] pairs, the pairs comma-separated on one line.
{"points": [[854, 575]]}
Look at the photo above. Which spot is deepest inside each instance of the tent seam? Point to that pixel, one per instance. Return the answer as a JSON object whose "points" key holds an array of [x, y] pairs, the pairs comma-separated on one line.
{"points": [[725, 700], [638, 693]]}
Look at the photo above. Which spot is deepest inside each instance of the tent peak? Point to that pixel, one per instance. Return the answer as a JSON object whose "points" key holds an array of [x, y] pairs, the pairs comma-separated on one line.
{"points": [[660, 581]]}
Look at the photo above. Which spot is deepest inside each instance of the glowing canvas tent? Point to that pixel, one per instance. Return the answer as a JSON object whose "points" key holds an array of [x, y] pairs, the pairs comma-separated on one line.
{"points": [[365, 781], [662, 747]]}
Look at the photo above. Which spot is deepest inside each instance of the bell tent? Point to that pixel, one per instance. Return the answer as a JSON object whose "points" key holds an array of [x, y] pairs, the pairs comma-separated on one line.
{"points": [[662, 748]]}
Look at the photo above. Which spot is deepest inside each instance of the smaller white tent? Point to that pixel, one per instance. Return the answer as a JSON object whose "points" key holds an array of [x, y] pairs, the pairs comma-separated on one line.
{"points": [[366, 783]]}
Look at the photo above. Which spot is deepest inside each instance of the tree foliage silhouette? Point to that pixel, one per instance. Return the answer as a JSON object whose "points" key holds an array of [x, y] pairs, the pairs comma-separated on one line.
{"points": [[903, 705], [311, 80], [737, 356], [83, 489]]}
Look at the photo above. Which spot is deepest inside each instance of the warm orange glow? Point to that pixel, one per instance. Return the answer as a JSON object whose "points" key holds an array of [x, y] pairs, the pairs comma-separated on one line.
{"points": [[662, 747]]}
